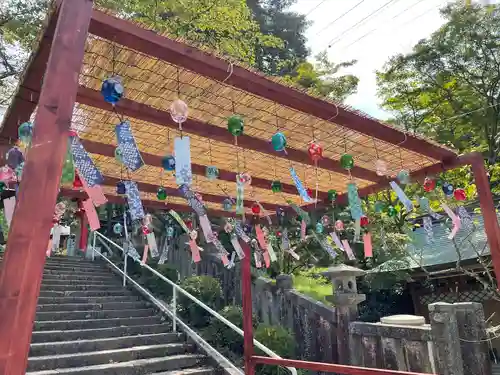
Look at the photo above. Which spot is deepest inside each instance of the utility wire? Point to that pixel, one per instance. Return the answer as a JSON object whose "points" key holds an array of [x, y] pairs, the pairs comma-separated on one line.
{"points": [[314, 8], [337, 38], [339, 17]]}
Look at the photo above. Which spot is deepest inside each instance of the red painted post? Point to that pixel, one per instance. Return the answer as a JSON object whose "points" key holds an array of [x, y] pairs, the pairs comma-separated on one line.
{"points": [[84, 231], [246, 297], [22, 267], [488, 211]]}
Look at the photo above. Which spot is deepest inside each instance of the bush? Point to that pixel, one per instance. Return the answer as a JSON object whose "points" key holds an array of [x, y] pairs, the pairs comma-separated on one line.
{"points": [[207, 290], [279, 340], [156, 285], [222, 336]]}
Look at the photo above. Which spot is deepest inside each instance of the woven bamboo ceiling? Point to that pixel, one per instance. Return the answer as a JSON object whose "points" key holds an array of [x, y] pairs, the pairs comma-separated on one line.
{"points": [[157, 70]]}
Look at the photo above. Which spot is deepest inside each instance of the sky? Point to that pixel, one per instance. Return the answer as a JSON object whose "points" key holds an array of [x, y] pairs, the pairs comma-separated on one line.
{"points": [[393, 29]]}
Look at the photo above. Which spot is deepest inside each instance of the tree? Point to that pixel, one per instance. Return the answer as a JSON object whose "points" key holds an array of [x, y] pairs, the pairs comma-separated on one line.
{"points": [[448, 87]]}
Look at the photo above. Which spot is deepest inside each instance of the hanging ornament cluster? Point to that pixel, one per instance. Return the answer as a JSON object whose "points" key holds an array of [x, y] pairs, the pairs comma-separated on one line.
{"points": [[212, 172], [179, 111], [161, 194], [120, 188], [112, 89], [168, 163], [235, 125], [315, 151], [447, 189], [429, 184], [404, 177], [25, 132], [380, 167], [276, 186], [227, 204], [347, 161], [278, 140]]}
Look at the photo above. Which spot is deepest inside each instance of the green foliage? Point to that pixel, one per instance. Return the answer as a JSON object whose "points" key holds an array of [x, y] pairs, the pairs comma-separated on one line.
{"points": [[3, 225], [314, 286], [158, 286], [222, 336], [208, 290], [279, 340], [447, 87]]}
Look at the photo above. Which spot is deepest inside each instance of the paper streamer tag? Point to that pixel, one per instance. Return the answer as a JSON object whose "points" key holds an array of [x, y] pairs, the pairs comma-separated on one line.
{"points": [[271, 252], [9, 205], [134, 201], [425, 206], [402, 196], [195, 251], [206, 227], [293, 253], [285, 241], [428, 228], [237, 246], [300, 187], [131, 157], [145, 254], [68, 171], [153, 247], [267, 259], [231, 261], [129, 249], [94, 192], [164, 252], [182, 151], [325, 245], [265, 213], [455, 220], [84, 163], [348, 250], [367, 241], [303, 228], [257, 257], [465, 217], [241, 233], [354, 201], [192, 200], [222, 251], [91, 213], [357, 230], [260, 237], [240, 195], [181, 222], [336, 240]]}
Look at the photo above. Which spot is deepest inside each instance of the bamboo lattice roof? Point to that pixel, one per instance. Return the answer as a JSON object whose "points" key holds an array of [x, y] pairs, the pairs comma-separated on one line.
{"points": [[152, 83]]}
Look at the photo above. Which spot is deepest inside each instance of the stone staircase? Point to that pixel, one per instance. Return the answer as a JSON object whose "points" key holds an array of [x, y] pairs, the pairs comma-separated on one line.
{"points": [[87, 323]]}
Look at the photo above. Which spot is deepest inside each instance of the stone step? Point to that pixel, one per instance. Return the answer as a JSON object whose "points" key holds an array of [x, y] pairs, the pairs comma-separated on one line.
{"points": [[136, 367], [87, 281], [102, 314], [59, 278], [79, 272], [83, 286], [96, 323], [86, 293], [73, 360], [75, 266], [92, 306], [99, 333], [188, 371], [93, 300], [92, 345]]}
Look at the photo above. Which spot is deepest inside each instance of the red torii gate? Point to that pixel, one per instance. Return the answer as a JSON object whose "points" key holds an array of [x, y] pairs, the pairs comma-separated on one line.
{"points": [[22, 267]]}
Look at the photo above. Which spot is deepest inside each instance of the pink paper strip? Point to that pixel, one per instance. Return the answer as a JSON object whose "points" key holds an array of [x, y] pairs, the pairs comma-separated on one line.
{"points": [[455, 220], [145, 254], [49, 248], [9, 205], [258, 263], [206, 227], [195, 251], [95, 192], [224, 259], [348, 250], [303, 227], [260, 237], [367, 240], [91, 213]]}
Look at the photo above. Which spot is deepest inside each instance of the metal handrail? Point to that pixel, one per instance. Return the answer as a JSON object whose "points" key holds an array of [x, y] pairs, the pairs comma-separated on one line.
{"points": [[176, 287]]}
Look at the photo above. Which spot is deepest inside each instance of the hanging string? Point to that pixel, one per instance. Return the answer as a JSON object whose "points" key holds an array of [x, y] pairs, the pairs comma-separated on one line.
{"points": [[178, 79]]}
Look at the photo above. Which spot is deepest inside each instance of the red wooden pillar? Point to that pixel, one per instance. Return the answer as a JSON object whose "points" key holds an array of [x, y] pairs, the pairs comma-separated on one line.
{"points": [[24, 260], [246, 297], [84, 231], [488, 211]]}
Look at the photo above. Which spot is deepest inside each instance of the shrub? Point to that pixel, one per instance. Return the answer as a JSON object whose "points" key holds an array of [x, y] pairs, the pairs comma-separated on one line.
{"points": [[279, 340], [207, 290], [156, 285], [222, 336]]}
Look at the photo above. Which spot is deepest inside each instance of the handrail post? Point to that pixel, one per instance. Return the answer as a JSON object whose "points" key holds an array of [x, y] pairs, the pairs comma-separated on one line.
{"points": [[125, 271], [93, 245], [174, 309]]}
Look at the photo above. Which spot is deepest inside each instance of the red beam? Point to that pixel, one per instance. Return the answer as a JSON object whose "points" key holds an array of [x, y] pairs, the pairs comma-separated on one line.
{"points": [[329, 367], [150, 188], [155, 160], [30, 228], [130, 108], [157, 205], [132, 36]]}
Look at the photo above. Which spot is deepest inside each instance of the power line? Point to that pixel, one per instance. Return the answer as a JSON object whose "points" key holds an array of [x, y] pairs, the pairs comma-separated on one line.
{"points": [[336, 39], [314, 8], [396, 27], [339, 17]]}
